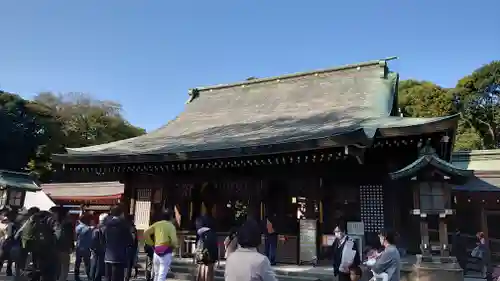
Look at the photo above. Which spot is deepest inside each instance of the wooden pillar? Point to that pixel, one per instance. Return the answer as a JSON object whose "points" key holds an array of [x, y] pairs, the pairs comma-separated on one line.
{"points": [[253, 195], [312, 188], [129, 196], [484, 221], [128, 184], [321, 196], [262, 207]]}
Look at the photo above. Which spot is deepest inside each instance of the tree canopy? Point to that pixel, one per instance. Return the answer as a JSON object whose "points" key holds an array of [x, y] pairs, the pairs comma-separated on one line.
{"points": [[34, 130], [476, 98]]}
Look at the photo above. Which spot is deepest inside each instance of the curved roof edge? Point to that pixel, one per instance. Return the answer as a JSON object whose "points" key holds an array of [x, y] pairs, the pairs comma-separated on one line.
{"points": [[434, 161], [364, 135]]}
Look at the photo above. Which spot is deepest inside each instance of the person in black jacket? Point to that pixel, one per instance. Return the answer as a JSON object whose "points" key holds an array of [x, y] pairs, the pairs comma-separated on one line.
{"points": [[271, 239], [117, 240], [97, 250], [133, 251], [207, 251], [345, 254], [459, 249]]}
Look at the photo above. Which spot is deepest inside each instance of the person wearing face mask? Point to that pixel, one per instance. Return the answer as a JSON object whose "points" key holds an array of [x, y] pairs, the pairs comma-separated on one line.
{"points": [[345, 254], [389, 261]]}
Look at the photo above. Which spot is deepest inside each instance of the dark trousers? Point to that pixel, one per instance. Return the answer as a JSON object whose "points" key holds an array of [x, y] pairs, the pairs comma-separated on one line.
{"points": [[44, 267], [462, 261], [115, 271], [82, 255], [271, 247], [131, 264], [21, 258], [5, 256], [96, 267], [343, 276], [149, 268]]}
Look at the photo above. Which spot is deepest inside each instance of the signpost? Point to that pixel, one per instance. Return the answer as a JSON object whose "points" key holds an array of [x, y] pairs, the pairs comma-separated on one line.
{"points": [[307, 241]]}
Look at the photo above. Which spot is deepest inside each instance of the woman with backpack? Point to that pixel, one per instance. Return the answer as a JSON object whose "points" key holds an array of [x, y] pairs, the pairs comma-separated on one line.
{"points": [[207, 251]]}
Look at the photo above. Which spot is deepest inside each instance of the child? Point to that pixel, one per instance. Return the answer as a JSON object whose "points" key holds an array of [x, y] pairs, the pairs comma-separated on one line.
{"points": [[372, 259], [355, 273]]}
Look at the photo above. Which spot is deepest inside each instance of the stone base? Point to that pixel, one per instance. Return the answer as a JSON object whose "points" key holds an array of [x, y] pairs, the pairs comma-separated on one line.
{"points": [[429, 268]]}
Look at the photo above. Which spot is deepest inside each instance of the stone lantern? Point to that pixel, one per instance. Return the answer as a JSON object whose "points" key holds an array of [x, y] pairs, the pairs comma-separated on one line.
{"points": [[13, 188], [431, 177]]}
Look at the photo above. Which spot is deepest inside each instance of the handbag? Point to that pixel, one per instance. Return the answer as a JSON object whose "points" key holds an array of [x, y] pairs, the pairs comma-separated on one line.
{"points": [[477, 253]]}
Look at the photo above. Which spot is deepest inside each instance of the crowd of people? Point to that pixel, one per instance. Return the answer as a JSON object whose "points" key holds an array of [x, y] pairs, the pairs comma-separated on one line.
{"points": [[40, 244]]}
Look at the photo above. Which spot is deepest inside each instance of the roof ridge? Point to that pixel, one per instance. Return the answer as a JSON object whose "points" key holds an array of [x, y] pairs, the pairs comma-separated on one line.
{"points": [[381, 62]]}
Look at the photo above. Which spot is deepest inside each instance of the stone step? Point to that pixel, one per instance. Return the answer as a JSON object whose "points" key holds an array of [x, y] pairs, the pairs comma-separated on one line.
{"points": [[320, 272], [181, 271]]}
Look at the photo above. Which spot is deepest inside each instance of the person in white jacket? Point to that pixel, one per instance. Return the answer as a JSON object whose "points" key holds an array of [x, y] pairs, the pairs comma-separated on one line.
{"points": [[246, 263]]}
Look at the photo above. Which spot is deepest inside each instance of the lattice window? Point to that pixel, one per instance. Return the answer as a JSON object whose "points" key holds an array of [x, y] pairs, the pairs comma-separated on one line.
{"points": [[143, 208], [372, 207], [15, 198]]}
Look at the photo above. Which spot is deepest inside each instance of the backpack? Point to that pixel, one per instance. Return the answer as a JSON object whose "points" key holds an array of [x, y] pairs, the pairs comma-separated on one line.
{"points": [[202, 254], [39, 232]]}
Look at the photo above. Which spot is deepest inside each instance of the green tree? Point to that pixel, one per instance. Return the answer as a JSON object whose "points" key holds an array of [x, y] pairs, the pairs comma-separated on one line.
{"points": [[478, 98], [34, 130], [467, 138], [29, 131], [88, 121], [424, 99]]}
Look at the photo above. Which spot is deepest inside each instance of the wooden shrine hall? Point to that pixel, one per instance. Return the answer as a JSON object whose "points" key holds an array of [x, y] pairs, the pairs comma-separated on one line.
{"points": [[325, 147]]}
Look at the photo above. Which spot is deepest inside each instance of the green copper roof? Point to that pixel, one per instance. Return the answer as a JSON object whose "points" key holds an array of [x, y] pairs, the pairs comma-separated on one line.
{"points": [[429, 158], [16, 180], [339, 106]]}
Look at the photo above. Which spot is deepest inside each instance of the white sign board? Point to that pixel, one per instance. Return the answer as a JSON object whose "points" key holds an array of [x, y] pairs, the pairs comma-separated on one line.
{"points": [[355, 228]]}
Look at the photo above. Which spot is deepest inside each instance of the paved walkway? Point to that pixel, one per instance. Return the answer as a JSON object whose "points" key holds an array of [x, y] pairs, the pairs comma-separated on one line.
{"points": [[71, 278]]}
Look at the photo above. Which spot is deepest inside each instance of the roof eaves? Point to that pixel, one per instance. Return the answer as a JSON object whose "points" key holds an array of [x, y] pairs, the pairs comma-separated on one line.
{"points": [[18, 180], [432, 160]]}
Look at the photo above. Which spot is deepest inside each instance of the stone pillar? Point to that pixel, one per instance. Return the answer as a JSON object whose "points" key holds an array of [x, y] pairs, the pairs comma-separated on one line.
{"points": [[425, 243], [443, 235]]}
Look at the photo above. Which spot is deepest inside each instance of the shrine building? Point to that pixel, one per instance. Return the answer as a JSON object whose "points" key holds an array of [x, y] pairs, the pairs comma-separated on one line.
{"points": [[326, 145]]}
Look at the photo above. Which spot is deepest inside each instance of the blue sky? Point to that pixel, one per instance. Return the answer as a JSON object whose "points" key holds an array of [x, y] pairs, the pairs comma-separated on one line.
{"points": [[147, 54]]}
